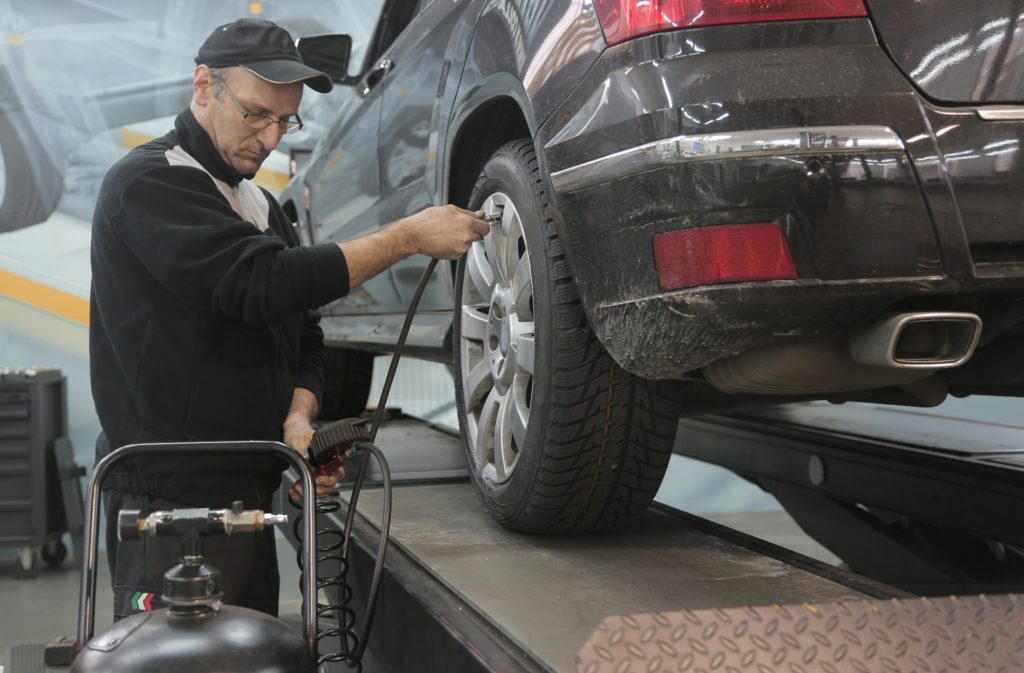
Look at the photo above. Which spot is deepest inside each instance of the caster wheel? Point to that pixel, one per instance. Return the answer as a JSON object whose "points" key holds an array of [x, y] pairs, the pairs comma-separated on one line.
{"points": [[54, 553]]}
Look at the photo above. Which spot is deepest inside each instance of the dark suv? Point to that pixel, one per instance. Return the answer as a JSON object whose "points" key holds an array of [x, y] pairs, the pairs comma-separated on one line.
{"points": [[705, 204]]}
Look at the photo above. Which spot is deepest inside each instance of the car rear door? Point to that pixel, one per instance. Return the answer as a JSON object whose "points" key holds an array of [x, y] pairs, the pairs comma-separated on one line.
{"points": [[967, 60], [344, 190], [345, 176], [418, 94]]}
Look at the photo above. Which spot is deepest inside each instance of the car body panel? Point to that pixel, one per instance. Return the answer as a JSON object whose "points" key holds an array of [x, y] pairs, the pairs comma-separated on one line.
{"points": [[344, 192], [956, 51], [418, 94], [484, 70], [976, 166], [917, 221], [699, 82]]}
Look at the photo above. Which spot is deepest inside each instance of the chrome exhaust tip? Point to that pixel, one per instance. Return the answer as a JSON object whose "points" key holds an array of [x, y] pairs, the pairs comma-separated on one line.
{"points": [[925, 340]]}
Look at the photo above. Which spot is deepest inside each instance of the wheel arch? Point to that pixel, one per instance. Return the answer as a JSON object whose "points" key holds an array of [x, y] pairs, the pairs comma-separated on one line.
{"points": [[489, 125]]}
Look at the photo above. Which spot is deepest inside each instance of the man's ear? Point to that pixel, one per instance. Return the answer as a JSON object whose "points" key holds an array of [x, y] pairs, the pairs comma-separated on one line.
{"points": [[202, 85]]}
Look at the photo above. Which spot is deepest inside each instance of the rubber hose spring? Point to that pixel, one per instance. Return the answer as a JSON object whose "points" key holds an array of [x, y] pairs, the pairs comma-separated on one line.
{"points": [[351, 649], [342, 613]]}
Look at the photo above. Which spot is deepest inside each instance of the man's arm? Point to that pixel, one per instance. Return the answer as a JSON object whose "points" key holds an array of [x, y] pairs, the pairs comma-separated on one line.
{"points": [[298, 425], [445, 232], [189, 239]]}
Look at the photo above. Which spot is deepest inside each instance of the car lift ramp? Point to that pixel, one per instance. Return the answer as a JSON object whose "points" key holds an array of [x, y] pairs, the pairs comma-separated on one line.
{"points": [[666, 591], [932, 504]]}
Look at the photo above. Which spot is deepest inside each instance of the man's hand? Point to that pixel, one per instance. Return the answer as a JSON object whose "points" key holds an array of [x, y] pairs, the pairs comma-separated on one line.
{"points": [[298, 433], [445, 232]]}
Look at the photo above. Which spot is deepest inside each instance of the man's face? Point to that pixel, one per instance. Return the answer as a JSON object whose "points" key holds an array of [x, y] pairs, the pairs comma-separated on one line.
{"points": [[244, 148]]}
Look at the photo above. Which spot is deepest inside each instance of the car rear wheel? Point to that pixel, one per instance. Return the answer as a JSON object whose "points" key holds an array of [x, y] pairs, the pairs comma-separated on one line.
{"points": [[30, 183], [558, 437]]}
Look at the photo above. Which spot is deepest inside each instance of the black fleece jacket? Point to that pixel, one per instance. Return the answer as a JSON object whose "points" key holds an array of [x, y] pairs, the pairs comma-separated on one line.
{"points": [[201, 324]]}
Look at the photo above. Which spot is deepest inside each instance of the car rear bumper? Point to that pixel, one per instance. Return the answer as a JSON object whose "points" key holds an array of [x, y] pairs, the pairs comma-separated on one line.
{"points": [[805, 125]]}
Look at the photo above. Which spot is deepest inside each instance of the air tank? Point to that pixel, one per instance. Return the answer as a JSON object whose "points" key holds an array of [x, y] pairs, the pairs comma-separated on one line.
{"points": [[196, 633]]}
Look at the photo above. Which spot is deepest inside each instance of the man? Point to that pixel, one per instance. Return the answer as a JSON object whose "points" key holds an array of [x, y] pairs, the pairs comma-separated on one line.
{"points": [[203, 324]]}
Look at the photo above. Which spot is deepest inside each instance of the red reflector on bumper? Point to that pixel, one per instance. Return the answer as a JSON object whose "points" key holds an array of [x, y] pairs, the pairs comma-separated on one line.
{"points": [[722, 254]]}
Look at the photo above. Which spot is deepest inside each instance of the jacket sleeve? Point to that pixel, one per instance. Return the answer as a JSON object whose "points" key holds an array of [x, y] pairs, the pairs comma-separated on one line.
{"points": [[188, 237], [311, 367], [310, 374]]}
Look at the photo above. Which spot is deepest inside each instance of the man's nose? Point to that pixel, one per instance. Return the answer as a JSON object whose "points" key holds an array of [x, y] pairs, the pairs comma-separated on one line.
{"points": [[270, 136]]}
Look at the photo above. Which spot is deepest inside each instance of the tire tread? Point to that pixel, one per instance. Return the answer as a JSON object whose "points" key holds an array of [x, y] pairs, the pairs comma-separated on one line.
{"points": [[609, 434]]}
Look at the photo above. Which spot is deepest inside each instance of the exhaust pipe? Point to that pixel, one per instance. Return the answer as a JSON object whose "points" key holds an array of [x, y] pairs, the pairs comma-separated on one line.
{"points": [[926, 340]]}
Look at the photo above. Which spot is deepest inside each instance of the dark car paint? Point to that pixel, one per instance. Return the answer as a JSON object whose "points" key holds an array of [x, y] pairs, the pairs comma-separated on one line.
{"points": [[973, 170], [823, 231], [956, 51], [860, 244], [867, 232], [502, 66], [418, 99]]}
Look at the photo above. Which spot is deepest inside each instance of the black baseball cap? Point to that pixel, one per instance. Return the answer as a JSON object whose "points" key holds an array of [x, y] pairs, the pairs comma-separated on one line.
{"points": [[263, 48]]}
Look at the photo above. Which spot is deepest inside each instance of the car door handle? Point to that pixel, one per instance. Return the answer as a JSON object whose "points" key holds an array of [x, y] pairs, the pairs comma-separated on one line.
{"points": [[375, 75]]}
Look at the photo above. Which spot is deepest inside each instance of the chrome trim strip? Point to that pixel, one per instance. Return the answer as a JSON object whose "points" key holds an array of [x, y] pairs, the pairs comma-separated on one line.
{"points": [[1001, 113], [731, 145]]}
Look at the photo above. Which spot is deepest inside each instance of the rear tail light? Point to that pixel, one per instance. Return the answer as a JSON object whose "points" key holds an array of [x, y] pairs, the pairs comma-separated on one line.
{"points": [[722, 254], [625, 19]]}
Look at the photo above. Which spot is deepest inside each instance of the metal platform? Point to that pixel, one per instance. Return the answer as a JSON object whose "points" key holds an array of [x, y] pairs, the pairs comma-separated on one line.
{"points": [[668, 591], [461, 590], [976, 633], [931, 504], [545, 596]]}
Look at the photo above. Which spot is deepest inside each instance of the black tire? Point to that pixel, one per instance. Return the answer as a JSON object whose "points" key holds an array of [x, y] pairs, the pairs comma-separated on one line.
{"points": [[597, 439], [30, 183], [348, 374], [53, 553]]}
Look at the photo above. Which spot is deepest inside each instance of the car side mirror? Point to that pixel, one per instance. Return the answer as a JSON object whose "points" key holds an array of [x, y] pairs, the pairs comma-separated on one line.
{"points": [[298, 157], [329, 54]]}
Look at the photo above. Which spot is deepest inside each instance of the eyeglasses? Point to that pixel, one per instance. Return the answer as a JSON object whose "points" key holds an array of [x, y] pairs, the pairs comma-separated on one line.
{"points": [[255, 120]]}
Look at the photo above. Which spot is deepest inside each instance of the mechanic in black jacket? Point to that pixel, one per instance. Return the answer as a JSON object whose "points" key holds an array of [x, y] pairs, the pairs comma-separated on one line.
{"points": [[203, 324]]}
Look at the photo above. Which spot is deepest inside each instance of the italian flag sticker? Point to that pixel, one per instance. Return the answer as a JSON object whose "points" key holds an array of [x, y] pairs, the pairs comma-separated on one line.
{"points": [[143, 601]]}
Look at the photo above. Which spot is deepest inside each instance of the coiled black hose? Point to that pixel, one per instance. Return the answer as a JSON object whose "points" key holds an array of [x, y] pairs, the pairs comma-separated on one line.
{"points": [[352, 645]]}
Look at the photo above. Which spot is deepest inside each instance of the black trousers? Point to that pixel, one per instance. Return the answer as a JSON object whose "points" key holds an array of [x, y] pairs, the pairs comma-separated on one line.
{"points": [[247, 561]]}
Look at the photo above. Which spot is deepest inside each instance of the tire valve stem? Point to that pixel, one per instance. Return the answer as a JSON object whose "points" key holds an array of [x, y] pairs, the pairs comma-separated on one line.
{"points": [[494, 219]]}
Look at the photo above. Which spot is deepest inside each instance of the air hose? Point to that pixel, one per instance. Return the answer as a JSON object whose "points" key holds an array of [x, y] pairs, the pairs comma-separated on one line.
{"points": [[329, 448]]}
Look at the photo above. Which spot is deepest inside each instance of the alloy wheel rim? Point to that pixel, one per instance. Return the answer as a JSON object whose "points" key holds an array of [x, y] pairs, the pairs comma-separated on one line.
{"points": [[496, 343]]}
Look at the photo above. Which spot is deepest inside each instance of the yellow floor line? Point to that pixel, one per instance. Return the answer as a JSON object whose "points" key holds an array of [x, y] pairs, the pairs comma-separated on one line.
{"points": [[42, 328], [74, 308], [44, 297]]}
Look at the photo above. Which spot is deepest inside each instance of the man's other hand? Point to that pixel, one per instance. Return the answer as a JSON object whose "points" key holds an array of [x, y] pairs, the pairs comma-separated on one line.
{"points": [[298, 434], [326, 484]]}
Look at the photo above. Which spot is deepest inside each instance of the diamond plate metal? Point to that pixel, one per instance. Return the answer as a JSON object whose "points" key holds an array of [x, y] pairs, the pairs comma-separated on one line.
{"points": [[923, 635]]}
